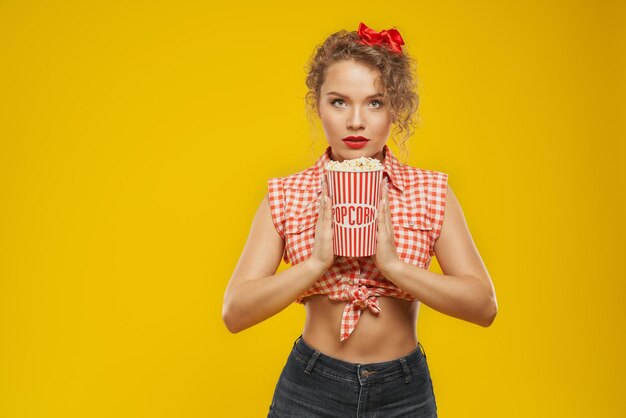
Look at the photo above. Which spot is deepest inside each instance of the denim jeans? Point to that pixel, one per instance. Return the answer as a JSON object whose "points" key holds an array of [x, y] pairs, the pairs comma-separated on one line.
{"points": [[313, 384]]}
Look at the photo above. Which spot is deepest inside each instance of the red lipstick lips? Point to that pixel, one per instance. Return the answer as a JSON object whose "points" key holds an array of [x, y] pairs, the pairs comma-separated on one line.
{"points": [[355, 141]]}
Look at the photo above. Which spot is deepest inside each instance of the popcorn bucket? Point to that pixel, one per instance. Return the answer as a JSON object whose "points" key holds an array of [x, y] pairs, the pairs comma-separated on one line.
{"points": [[354, 197]]}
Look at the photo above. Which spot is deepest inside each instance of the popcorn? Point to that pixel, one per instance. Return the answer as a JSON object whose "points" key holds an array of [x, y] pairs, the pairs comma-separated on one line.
{"points": [[357, 164], [354, 187]]}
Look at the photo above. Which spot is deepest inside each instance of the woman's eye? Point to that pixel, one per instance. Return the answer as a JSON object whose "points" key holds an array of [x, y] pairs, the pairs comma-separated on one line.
{"points": [[377, 103]]}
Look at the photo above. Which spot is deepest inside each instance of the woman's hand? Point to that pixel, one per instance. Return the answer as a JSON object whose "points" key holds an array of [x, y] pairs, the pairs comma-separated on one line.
{"points": [[386, 254], [322, 253]]}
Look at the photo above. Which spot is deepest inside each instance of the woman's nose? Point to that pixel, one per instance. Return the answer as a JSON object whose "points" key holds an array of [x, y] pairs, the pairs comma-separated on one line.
{"points": [[355, 119]]}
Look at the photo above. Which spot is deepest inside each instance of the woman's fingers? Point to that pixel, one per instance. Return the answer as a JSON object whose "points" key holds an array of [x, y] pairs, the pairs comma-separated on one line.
{"points": [[325, 187], [386, 208], [323, 198], [329, 208], [381, 206], [323, 202], [384, 213], [323, 246], [326, 209]]}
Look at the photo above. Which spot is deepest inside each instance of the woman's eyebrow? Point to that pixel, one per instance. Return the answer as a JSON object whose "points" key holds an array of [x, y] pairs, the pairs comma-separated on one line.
{"points": [[368, 97]]}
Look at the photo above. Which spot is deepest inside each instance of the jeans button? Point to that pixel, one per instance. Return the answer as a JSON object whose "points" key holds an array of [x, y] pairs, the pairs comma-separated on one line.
{"points": [[364, 373]]}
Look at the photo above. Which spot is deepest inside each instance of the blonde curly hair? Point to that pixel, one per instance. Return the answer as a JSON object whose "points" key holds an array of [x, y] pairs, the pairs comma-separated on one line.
{"points": [[396, 78]]}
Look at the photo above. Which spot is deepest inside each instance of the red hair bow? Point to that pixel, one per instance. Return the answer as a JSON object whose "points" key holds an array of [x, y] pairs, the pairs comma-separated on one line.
{"points": [[390, 37]]}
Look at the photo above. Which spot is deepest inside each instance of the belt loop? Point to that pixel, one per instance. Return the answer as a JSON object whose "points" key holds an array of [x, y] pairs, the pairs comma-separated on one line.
{"points": [[407, 373], [312, 362]]}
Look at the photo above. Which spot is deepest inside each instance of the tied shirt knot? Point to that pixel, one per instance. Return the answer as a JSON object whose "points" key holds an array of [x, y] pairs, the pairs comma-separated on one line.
{"points": [[361, 297]]}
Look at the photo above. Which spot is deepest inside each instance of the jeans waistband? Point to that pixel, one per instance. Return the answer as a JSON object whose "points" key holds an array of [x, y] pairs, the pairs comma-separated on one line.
{"points": [[401, 367]]}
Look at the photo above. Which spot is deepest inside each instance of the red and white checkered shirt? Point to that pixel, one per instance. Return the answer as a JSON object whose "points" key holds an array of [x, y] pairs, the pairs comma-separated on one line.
{"points": [[416, 200]]}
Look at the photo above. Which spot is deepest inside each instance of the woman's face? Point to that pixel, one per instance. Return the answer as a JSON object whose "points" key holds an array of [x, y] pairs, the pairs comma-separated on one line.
{"points": [[351, 105]]}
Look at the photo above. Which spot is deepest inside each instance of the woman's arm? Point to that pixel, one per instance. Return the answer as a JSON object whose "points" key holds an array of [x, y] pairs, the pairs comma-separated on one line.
{"points": [[465, 290], [254, 293]]}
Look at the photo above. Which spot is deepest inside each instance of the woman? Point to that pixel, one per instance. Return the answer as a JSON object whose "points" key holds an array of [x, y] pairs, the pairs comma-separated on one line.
{"points": [[358, 353]]}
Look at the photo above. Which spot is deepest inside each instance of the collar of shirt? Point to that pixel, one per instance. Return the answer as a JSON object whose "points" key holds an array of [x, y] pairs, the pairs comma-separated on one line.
{"points": [[391, 170]]}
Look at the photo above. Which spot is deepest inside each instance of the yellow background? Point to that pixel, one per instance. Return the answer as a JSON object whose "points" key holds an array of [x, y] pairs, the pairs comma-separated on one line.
{"points": [[136, 139]]}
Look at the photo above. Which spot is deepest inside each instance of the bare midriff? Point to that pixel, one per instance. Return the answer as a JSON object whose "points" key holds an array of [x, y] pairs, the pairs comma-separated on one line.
{"points": [[380, 337]]}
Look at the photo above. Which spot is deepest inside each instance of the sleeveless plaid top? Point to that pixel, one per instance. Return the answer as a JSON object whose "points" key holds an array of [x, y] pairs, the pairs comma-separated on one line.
{"points": [[416, 201]]}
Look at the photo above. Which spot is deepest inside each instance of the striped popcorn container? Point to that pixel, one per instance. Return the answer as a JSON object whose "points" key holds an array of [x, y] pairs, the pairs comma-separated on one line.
{"points": [[354, 197]]}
